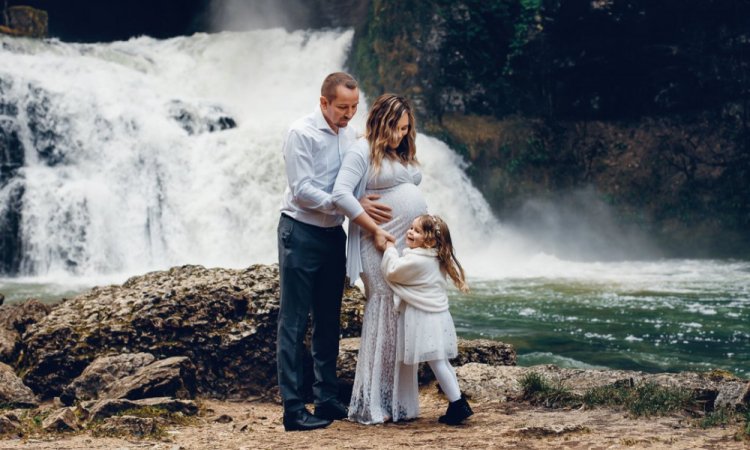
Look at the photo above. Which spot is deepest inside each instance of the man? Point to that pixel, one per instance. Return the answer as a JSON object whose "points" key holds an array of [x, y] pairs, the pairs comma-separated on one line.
{"points": [[312, 260]]}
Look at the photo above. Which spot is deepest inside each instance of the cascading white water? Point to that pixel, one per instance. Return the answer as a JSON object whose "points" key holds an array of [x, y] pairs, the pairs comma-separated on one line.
{"points": [[126, 188]]}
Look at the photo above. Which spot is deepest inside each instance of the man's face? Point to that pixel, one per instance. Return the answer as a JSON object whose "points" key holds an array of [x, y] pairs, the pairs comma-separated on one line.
{"points": [[339, 111]]}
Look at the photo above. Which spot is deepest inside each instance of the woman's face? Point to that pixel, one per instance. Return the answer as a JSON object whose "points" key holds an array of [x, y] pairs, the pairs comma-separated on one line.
{"points": [[402, 128]]}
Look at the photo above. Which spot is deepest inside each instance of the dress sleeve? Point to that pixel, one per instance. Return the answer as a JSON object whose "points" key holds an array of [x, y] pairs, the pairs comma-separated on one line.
{"points": [[298, 160], [353, 170]]}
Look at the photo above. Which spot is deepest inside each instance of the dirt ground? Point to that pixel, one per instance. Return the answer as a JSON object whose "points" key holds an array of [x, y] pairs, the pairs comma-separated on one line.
{"points": [[257, 425]]}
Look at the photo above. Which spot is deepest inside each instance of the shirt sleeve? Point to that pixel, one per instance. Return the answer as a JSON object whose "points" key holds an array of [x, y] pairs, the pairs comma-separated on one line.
{"points": [[404, 270], [300, 169], [353, 169]]}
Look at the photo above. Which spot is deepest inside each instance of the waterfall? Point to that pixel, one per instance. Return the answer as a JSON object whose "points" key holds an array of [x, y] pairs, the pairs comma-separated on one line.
{"points": [[139, 155]]}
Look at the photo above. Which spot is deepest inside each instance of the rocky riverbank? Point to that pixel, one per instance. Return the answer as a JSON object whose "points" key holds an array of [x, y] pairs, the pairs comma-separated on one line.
{"points": [[174, 358]]}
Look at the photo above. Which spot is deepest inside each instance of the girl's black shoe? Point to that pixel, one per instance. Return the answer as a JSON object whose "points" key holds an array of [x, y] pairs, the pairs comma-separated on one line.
{"points": [[457, 412]]}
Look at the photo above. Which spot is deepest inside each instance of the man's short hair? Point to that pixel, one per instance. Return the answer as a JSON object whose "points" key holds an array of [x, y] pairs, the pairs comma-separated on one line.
{"points": [[334, 80]]}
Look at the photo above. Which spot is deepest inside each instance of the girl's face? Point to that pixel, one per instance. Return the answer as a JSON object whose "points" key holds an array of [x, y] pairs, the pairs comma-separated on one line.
{"points": [[415, 237], [402, 128]]}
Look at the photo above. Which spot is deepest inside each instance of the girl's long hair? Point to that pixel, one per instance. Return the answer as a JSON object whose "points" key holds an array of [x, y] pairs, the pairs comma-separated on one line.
{"points": [[381, 131], [435, 229]]}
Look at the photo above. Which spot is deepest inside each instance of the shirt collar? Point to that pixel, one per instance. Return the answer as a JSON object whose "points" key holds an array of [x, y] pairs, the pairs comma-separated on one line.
{"points": [[320, 121]]}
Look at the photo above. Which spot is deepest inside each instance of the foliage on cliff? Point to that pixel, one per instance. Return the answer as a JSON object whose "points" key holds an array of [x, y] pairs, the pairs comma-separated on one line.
{"points": [[648, 102]]}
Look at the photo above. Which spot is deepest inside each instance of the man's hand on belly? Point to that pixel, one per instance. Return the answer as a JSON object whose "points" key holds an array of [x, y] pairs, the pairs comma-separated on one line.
{"points": [[380, 212]]}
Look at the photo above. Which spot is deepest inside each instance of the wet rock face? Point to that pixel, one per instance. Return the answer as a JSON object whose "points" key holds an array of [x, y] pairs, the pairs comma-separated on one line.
{"points": [[223, 320], [11, 150], [12, 157], [11, 243], [47, 129], [197, 119]]}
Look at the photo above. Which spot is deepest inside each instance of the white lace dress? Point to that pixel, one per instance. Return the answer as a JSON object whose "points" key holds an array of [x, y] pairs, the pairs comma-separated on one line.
{"points": [[384, 389]]}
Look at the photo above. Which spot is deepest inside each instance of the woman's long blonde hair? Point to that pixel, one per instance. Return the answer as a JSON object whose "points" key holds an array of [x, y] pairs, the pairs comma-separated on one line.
{"points": [[381, 131], [436, 230]]}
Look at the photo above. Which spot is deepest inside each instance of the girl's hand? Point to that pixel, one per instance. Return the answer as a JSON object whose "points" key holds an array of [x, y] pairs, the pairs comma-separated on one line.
{"points": [[382, 238]]}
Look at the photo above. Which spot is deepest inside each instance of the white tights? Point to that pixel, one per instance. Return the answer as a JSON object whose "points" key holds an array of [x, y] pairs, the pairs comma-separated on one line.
{"points": [[446, 376]]}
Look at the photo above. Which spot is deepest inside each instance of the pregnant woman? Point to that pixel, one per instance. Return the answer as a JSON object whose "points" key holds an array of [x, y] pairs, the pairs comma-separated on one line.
{"points": [[384, 163]]}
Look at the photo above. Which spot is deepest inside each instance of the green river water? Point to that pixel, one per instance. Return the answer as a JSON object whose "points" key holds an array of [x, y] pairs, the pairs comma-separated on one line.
{"points": [[670, 315]]}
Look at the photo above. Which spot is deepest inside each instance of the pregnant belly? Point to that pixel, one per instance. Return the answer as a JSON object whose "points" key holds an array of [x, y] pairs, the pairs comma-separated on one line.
{"points": [[407, 202]]}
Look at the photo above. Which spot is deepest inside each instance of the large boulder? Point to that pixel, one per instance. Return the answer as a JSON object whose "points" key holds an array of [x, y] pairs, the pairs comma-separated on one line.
{"points": [[170, 377], [133, 376], [12, 390], [19, 316], [10, 424], [14, 320], [223, 320], [63, 419], [98, 378], [8, 343]]}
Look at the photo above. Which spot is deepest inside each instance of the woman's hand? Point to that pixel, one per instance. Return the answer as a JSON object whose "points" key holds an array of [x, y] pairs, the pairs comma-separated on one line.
{"points": [[382, 238]]}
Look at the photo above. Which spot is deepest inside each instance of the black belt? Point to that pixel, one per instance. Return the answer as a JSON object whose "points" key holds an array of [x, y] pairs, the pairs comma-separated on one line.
{"points": [[327, 229]]}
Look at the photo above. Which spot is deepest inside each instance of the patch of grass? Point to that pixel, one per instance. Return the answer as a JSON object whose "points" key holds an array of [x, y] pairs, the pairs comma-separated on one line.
{"points": [[650, 399], [725, 417], [605, 396], [647, 399], [539, 390], [719, 417], [744, 433]]}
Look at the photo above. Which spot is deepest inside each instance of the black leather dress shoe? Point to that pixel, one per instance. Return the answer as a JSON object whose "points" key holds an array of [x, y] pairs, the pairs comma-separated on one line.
{"points": [[302, 420], [331, 410]]}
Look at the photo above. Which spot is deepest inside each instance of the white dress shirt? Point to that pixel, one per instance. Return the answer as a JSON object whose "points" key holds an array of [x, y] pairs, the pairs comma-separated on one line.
{"points": [[312, 156]]}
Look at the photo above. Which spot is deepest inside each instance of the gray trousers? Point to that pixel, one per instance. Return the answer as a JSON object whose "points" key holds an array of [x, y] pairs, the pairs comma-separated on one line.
{"points": [[312, 267]]}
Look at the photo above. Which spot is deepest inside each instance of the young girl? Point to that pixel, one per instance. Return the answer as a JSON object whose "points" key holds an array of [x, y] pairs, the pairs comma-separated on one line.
{"points": [[425, 327]]}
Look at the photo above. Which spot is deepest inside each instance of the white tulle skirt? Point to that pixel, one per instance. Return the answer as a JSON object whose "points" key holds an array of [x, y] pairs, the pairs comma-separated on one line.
{"points": [[425, 336]]}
